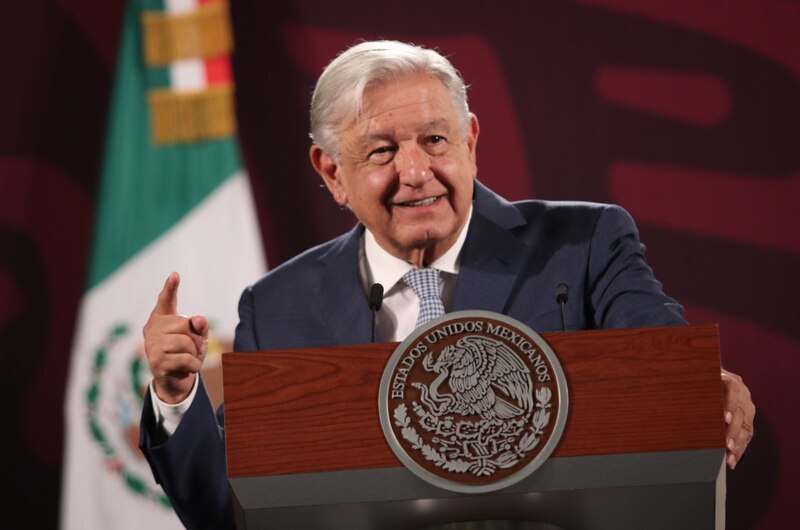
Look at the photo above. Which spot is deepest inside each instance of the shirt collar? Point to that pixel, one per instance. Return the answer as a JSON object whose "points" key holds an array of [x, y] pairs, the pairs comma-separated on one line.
{"points": [[387, 270]]}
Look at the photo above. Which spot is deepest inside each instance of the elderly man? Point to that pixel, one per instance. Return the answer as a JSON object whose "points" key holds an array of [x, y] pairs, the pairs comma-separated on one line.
{"points": [[394, 141]]}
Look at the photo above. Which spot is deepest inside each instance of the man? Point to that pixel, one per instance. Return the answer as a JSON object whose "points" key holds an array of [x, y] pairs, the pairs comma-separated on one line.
{"points": [[394, 141]]}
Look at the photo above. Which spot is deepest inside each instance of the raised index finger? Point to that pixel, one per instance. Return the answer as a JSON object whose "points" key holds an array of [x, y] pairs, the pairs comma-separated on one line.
{"points": [[167, 303]]}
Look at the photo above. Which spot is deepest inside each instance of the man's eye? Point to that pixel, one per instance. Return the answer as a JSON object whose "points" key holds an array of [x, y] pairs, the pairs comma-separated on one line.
{"points": [[382, 149], [436, 144], [382, 153]]}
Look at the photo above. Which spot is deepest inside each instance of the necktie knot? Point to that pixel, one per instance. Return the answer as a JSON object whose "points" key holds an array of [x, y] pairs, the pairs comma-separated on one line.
{"points": [[425, 284]]}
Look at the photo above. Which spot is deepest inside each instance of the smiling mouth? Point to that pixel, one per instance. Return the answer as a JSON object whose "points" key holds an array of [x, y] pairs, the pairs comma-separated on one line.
{"points": [[423, 202]]}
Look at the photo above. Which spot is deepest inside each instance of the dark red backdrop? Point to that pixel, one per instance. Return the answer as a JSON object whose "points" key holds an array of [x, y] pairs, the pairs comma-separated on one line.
{"points": [[687, 113]]}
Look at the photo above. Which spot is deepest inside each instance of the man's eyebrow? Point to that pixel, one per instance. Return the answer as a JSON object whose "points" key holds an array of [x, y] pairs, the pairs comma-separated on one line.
{"points": [[384, 135], [434, 124], [438, 123]]}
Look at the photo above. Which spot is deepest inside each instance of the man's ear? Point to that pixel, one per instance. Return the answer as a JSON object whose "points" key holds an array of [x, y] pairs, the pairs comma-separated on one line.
{"points": [[472, 137], [328, 169]]}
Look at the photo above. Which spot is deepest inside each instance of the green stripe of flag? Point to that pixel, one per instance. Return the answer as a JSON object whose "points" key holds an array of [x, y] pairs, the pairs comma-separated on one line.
{"points": [[145, 189]]}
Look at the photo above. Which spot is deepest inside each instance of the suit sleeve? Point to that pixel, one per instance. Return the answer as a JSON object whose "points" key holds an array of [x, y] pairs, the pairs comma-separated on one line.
{"points": [[624, 291], [190, 464]]}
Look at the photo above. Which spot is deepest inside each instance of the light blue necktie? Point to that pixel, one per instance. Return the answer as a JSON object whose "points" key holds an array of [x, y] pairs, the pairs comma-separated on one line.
{"points": [[425, 284]]}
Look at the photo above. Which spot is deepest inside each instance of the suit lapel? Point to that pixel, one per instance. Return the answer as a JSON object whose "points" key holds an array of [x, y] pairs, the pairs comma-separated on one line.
{"points": [[489, 268], [492, 256], [342, 301]]}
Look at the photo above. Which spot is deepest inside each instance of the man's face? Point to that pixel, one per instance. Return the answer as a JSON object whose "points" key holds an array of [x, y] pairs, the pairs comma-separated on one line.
{"points": [[406, 167]]}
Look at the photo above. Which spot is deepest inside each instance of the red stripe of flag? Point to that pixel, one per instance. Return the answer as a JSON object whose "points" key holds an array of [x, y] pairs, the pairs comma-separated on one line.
{"points": [[218, 70]]}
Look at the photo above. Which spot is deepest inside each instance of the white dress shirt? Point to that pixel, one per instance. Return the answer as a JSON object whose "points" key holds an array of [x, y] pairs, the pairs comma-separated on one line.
{"points": [[398, 314]]}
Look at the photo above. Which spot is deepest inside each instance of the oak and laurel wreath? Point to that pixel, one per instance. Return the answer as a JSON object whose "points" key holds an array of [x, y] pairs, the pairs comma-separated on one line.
{"points": [[507, 459], [93, 394]]}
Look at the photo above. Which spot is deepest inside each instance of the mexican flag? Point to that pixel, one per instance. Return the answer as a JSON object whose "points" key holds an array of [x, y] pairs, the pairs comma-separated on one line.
{"points": [[173, 197]]}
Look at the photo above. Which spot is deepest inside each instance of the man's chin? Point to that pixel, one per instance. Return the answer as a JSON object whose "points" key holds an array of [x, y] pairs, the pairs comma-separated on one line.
{"points": [[427, 240]]}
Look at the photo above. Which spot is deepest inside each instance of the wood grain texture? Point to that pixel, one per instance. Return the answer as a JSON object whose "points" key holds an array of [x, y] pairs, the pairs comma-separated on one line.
{"points": [[314, 410]]}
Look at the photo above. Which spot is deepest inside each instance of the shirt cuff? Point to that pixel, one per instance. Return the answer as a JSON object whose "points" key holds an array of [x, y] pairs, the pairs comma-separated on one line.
{"points": [[169, 416]]}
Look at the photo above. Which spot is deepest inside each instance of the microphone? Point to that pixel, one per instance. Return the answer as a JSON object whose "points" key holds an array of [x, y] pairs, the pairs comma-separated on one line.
{"points": [[562, 295], [375, 301]]}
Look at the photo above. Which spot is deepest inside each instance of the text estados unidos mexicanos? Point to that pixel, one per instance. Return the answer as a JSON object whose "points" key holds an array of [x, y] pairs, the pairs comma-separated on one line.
{"points": [[471, 326]]}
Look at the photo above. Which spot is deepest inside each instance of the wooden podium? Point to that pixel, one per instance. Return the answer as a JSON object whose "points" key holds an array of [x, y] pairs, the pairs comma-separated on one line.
{"points": [[643, 445]]}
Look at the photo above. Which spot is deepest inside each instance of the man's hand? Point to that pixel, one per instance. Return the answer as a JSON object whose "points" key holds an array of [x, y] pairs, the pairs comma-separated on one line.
{"points": [[175, 345], [739, 412]]}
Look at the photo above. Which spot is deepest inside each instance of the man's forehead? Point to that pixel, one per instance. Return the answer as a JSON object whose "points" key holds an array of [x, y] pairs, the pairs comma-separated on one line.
{"points": [[423, 113], [414, 104]]}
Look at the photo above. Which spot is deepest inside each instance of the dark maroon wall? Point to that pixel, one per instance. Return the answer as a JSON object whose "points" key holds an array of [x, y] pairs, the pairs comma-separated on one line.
{"points": [[687, 113]]}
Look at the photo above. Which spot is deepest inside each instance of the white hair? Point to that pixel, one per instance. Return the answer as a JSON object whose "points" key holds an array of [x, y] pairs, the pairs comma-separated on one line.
{"points": [[337, 98]]}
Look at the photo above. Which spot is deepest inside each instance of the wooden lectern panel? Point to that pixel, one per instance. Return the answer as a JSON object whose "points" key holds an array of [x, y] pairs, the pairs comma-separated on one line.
{"points": [[316, 410]]}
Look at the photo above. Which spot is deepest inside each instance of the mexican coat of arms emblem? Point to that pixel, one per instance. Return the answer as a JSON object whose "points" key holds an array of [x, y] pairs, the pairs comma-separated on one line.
{"points": [[473, 401]]}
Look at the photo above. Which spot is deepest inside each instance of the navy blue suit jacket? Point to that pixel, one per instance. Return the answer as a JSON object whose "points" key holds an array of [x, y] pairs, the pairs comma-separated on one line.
{"points": [[514, 256]]}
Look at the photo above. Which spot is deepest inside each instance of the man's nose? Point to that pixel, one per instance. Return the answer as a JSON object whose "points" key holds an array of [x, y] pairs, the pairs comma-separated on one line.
{"points": [[413, 166]]}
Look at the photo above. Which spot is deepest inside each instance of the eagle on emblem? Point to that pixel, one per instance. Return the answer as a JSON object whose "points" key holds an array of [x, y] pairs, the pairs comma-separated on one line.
{"points": [[485, 378]]}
